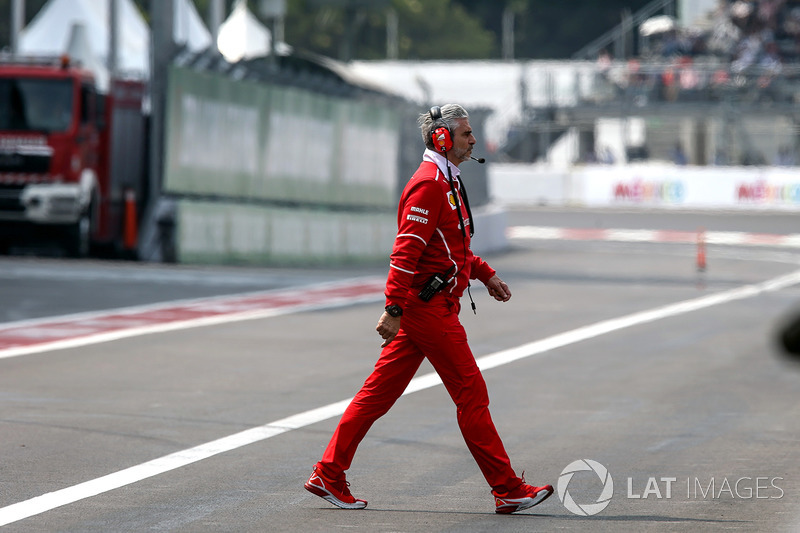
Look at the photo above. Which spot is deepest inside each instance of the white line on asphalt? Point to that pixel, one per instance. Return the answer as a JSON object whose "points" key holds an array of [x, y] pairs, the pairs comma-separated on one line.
{"points": [[732, 238], [98, 338], [121, 478], [69, 323]]}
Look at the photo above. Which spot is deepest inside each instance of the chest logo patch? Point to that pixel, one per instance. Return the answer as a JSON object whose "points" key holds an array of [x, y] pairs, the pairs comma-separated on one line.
{"points": [[451, 200]]}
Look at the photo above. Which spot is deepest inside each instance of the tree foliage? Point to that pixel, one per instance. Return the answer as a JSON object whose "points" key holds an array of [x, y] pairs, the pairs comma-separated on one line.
{"points": [[427, 29], [545, 29], [458, 29]]}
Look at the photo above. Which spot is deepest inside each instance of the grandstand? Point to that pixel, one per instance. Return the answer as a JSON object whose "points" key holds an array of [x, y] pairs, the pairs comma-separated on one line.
{"points": [[724, 84], [721, 80]]}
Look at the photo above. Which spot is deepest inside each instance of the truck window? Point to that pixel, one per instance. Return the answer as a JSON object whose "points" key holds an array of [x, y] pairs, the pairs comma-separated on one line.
{"points": [[31, 104], [87, 104], [101, 110]]}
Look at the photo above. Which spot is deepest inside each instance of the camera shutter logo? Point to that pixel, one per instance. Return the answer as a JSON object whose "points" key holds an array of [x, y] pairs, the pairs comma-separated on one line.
{"points": [[586, 509]]}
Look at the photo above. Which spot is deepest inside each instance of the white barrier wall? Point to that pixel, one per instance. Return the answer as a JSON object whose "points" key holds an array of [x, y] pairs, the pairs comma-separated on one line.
{"points": [[228, 232], [246, 141], [657, 185]]}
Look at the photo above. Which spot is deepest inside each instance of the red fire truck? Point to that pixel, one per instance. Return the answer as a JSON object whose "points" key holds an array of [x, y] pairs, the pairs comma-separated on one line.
{"points": [[72, 157]]}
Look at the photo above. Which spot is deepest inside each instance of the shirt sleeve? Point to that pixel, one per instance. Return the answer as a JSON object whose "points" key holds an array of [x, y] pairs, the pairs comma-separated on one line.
{"points": [[418, 216], [481, 270]]}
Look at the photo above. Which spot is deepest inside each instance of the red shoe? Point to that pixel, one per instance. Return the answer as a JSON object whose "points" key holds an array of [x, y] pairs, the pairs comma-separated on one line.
{"points": [[523, 497], [335, 491]]}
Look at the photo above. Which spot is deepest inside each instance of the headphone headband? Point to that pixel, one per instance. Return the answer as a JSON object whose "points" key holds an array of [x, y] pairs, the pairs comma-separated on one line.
{"points": [[441, 136]]}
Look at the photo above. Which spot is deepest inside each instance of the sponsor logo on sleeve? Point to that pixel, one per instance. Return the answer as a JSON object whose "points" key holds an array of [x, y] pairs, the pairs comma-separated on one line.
{"points": [[415, 218]]}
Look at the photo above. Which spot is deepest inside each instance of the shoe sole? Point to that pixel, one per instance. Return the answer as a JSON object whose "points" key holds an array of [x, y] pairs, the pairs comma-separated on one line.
{"points": [[525, 503], [325, 495]]}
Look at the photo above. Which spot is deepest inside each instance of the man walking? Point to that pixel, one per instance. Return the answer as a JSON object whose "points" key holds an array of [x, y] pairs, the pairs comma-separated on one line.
{"points": [[431, 266]]}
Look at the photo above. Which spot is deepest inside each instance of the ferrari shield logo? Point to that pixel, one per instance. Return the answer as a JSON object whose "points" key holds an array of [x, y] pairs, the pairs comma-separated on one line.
{"points": [[451, 200]]}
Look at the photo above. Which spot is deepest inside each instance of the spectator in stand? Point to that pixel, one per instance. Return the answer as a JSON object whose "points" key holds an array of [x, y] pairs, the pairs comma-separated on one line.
{"points": [[752, 157], [725, 34], [678, 155], [785, 157], [791, 28], [672, 45], [688, 78], [721, 158], [771, 67], [605, 156], [747, 53], [604, 62], [771, 58], [767, 12]]}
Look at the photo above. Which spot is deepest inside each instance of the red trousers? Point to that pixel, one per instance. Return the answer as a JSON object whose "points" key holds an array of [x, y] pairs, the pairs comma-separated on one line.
{"points": [[430, 330]]}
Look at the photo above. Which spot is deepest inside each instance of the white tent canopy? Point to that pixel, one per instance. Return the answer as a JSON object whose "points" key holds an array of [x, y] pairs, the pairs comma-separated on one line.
{"points": [[79, 49], [49, 31], [242, 36], [190, 28]]}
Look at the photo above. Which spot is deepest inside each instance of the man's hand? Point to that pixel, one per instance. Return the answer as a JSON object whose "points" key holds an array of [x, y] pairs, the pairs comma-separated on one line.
{"points": [[387, 328], [498, 289]]}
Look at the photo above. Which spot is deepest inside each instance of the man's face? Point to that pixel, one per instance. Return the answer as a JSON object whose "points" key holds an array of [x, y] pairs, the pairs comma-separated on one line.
{"points": [[463, 140]]}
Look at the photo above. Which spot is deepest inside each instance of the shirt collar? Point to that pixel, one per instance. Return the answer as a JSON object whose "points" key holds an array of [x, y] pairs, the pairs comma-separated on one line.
{"points": [[441, 161]]}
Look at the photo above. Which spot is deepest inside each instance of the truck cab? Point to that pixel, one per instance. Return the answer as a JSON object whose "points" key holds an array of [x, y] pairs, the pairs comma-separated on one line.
{"points": [[56, 156]]}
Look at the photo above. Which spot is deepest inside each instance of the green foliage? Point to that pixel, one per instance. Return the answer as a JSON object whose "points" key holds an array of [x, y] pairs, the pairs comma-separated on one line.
{"points": [[441, 30], [548, 29], [428, 29]]}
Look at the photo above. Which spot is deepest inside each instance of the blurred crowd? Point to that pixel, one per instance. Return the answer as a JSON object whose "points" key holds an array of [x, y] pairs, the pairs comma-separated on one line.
{"points": [[748, 49], [753, 32]]}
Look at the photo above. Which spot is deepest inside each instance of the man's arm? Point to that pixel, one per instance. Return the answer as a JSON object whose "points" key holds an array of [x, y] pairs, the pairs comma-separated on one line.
{"points": [[388, 327], [488, 276], [498, 289], [418, 217]]}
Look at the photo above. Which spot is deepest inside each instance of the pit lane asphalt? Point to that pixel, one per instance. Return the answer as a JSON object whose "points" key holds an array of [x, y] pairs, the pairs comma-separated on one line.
{"points": [[698, 396]]}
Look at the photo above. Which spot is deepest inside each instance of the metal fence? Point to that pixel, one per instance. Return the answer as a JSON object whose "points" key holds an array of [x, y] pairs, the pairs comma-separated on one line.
{"points": [[701, 112]]}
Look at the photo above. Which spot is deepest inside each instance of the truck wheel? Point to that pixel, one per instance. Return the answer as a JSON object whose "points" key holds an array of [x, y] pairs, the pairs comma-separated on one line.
{"points": [[79, 236]]}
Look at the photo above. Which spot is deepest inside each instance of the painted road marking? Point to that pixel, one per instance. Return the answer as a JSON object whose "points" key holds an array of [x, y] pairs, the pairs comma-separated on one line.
{"points": [[121, 478], [44, 335], [731, 238]]}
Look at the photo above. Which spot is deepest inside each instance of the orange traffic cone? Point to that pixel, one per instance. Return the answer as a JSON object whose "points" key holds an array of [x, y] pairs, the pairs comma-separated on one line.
{"points": [[701, 250], [131, 228]]}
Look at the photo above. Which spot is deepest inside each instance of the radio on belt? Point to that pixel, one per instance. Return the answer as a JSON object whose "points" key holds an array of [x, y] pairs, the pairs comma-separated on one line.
{"points": [[434, 284]]}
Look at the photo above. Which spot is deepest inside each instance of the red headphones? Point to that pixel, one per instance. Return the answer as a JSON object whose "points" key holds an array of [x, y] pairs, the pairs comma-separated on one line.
{"points": [[440, 133]]}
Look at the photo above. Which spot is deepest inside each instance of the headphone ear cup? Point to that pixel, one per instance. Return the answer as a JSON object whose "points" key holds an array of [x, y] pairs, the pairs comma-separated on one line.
{"points": [[441, 139]]}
